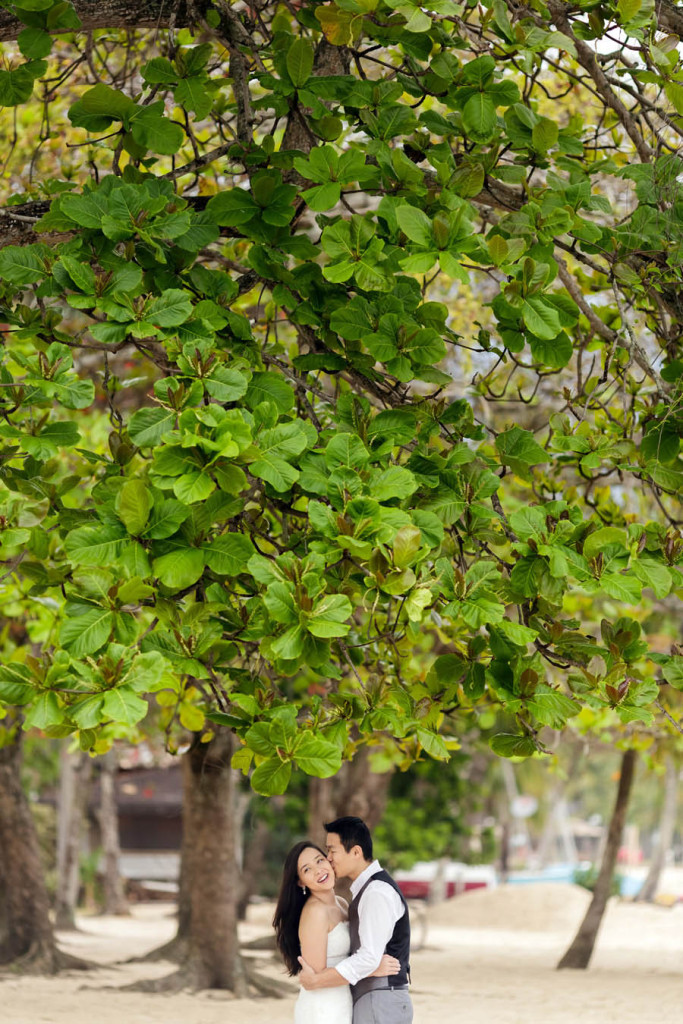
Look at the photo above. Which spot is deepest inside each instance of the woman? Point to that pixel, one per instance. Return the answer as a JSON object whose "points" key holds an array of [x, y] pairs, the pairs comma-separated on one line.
{"points": [[312, 921]]}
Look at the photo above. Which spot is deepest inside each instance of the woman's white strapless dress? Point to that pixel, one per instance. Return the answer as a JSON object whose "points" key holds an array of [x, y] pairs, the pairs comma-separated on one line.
{"points": [[328, 1005]]}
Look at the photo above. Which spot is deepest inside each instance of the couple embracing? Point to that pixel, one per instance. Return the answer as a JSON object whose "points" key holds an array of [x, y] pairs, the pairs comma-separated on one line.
{"points": [[352, 961]]}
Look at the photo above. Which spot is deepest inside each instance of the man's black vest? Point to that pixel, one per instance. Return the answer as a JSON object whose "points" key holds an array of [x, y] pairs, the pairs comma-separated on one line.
{"points": [[398, 945]]}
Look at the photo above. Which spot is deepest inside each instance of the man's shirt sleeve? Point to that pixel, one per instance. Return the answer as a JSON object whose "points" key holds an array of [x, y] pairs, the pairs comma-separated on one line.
{"points": [[381, 908]]}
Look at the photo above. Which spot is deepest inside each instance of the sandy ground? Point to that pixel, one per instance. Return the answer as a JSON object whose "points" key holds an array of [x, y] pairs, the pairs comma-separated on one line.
{"points": [[488, 958]]}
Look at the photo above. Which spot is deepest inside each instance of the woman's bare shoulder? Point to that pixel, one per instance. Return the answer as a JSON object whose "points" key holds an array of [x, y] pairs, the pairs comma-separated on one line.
{"points": [[314, 911]]}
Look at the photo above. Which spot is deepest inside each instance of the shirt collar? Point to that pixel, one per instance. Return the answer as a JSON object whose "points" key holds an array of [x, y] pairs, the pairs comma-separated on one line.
{"points": [[364, 877]]}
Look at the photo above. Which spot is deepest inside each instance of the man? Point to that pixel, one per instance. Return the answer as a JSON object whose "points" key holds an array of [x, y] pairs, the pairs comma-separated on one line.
{"points": [[378, 922]]}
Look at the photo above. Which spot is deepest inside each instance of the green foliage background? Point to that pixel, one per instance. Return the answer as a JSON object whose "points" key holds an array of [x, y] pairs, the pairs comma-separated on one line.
{"points": [[242, 472]]}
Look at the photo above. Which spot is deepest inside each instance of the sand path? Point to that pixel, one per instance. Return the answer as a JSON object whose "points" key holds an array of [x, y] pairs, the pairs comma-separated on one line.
{"points": [[489, 958]]}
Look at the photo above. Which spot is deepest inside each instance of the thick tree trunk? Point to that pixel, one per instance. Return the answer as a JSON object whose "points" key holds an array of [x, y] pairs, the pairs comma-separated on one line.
{"points": [[25, 929], [580, 951], [114, 901], [667, 825], [74, 787], [210, 867], [206, 946]]}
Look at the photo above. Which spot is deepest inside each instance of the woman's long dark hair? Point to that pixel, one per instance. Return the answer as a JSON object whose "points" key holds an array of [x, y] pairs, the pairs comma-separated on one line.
{"points": [[290, 903]]}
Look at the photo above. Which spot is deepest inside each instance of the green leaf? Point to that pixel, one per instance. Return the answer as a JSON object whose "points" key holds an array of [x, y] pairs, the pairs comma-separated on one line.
{"points": [[621, 588], [272, 776], [16, 684], [85, 210], [193, 486], [87, 713], [165, 519], [653, 574], [322, 197], [156, 133], [394, 482], [173, 307], [21, 265], [229, 554], [541, 319], [180, 568], [479, 117], [300, 62], [507, 745], [628, 9], [270, 387], [133, 505], [44, 712], [275, 471], [85, 634], [192, 94], [82, 275], [108, 102], [279, 600], [600, 539], [16, 86], [148, 426], [159, 71], [317, 757], [434, 744], [517, 445], [123, 705], [34, 43], [544, 134], [416, 225], [327, 619], [346, 450], [94, 545], [552, 708], [673, 671], [407, 543]]}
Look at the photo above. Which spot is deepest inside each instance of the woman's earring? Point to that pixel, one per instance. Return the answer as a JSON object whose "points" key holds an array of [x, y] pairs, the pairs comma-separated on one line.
{"points": [[303, 889]]}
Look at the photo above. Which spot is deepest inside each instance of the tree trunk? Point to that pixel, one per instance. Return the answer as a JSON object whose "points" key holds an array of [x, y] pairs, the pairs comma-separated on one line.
{"points": [[355, 789], [25, 929], [321, 807], [211, 874], [74, 787], [252, 866], [580, 951], [114, 901], [206, 946], [667, 825]]}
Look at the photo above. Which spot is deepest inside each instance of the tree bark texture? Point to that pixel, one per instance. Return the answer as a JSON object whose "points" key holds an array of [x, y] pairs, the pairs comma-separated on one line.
{"points": [[580, 951], [210, 874], [355, 789], [25, 929], [667, 826], [114, 901], [96, 14]]}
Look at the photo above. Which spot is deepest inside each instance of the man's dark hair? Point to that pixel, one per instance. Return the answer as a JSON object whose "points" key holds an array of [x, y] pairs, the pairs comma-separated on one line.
{"points": [[352, 832]]}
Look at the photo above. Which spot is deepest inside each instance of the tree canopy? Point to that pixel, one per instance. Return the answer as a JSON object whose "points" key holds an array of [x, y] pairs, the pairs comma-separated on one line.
{"points": [[341, 373]]}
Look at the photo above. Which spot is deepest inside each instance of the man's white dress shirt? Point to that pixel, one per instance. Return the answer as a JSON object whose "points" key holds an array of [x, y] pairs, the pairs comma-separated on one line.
{"points": [[379, 910]]}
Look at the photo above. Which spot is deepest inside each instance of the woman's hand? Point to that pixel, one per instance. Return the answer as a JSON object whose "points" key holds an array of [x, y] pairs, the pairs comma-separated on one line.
{"points": [[387, 965]]}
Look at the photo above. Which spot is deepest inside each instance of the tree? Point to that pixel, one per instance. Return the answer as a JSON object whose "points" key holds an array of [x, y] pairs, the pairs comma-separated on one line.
{"points": [[239, 467], [74, 791], [667, 827], [113, 899], [580, 951]]}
